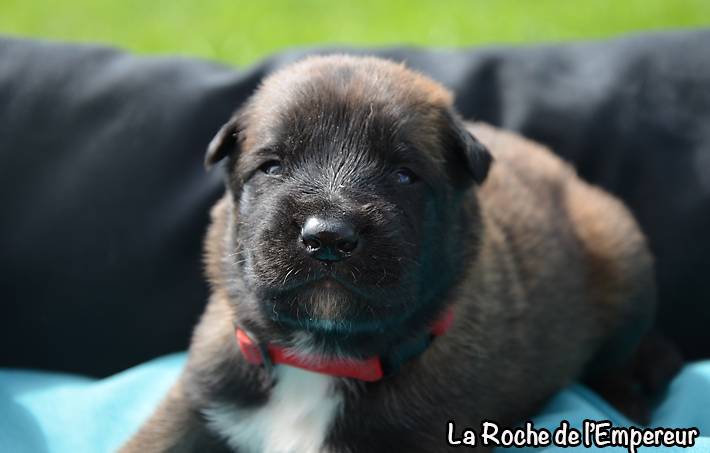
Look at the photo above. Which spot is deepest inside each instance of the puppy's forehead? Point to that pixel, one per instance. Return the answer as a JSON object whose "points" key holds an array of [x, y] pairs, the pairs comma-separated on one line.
{"points": [[361, 91]]}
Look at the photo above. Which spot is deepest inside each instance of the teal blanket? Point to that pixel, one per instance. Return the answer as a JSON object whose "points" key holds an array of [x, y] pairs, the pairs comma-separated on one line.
{"points": [[49, 412]]}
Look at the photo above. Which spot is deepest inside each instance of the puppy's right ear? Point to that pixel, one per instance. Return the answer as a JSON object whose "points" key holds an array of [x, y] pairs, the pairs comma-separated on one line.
{"points": [[223, 144]]}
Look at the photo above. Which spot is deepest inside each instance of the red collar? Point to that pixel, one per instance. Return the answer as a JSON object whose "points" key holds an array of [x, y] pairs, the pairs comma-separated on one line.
{"points": [[369, 370]]}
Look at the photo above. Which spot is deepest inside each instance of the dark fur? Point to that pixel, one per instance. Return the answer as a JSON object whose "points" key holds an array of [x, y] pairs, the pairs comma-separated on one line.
{"points": [[541, 269]]}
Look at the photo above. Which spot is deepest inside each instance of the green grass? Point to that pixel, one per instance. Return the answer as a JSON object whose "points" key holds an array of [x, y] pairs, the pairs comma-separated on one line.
{"points": [[240, 32]]}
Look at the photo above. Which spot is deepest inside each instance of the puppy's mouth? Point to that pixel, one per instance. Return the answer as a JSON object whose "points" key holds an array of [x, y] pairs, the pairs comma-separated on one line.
{"points": [[327, 284], [325, 317], [330, 282], [328, 306], [322, 278]]}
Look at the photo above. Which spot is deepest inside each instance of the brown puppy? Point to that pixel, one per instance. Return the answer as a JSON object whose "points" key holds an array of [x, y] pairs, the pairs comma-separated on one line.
{"points": [[360, 212]]}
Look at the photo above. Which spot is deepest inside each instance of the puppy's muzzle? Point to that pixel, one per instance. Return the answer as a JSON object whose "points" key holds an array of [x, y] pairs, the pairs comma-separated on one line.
{"points": [[328, 239]]}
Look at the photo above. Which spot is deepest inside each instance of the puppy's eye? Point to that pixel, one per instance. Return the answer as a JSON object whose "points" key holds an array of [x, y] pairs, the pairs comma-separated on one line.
{"points": [[405, 176], [272, 168]]}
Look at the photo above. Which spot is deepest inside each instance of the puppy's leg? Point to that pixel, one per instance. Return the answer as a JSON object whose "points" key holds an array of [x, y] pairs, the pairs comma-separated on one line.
{"points": [[175, 427]]}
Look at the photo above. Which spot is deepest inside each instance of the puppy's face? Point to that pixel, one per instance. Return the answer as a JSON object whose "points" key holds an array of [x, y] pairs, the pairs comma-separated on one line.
{"points": [[352, 212]]}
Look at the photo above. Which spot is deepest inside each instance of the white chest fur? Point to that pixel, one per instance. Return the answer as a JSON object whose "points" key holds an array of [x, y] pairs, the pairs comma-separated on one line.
{"points": [[296, 418]]}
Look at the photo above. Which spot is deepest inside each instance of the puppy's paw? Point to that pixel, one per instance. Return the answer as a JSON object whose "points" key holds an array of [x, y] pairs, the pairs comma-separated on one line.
{"points": [[635, 388], [657, 362]]}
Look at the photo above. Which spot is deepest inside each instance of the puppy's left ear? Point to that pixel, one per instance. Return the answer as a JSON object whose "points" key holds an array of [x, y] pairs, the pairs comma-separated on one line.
{"points": [[476, 156], [223, 144]]}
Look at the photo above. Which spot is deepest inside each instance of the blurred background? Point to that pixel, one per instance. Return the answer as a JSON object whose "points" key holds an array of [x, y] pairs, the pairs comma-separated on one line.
{"points": [[106, 117], [240, 32]]}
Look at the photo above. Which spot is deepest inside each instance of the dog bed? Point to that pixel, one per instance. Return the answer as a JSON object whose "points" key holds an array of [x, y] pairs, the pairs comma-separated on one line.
{"points": [[62, 413]]}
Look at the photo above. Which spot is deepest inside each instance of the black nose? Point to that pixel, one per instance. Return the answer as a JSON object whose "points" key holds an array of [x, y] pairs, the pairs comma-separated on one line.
{"points": [[328, 239]]}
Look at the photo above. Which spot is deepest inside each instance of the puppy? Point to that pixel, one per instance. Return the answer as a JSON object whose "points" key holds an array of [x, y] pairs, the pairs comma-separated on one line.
{"points": [[379, 268]]}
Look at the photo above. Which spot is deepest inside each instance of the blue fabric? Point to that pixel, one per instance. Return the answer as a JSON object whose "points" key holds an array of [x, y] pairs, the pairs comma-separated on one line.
{"points": [[49, 412]]}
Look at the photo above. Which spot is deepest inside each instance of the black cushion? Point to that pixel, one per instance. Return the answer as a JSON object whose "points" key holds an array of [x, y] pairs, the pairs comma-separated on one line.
{"points": [[104, 200]]}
